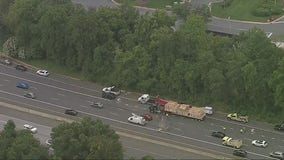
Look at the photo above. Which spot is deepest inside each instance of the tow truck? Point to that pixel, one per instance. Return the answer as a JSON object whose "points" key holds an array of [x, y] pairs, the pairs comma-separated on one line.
{"points": [[227, 141], [236, 117]]}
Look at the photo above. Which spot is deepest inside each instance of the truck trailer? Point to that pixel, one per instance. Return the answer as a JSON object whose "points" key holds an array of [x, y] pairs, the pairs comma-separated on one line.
{"points": [[185, 110]]}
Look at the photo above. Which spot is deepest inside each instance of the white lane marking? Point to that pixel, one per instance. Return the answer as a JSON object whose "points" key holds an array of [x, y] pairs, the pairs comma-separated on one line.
{"points": [[25, 121], [84, 106], [145, 109], [147, 152], [119, 109], [89, 101], [273, 138], [113, 113], [51, 86], [126, 123], [248, 139], [33, 88], [60, 94], [281, 146], [6, 80], [127, 104], [56, 99], [177, 129], [263, 136], [180, 123]]}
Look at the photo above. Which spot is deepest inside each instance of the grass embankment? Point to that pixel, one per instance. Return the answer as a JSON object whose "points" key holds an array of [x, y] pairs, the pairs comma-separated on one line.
{"points": [[241, 10], [160, 4]]}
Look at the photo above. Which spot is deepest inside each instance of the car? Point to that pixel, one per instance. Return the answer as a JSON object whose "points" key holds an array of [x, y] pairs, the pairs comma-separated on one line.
{"points": [[147, 117], [7, 62], [30, 128], [71, 112], [279, 127], [23, 85], [259, 143], [30, 95], [240, 152], [48, 142], [112, 90], [97, 105], [218, 134], [44, 73], [277, 154], [137, 119], [21, 67]]}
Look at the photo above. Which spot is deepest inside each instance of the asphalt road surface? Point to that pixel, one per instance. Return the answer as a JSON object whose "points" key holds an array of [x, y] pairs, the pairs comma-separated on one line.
{"points": [[54, 94], [220, 25], [136, 148]]}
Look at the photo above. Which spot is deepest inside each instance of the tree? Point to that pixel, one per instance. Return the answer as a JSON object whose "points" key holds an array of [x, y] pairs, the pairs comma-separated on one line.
{"points": [[87, 139], [20, 144]]}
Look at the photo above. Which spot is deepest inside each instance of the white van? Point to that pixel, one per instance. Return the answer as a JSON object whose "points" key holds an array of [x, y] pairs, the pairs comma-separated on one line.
{"points": [[208, 110]]}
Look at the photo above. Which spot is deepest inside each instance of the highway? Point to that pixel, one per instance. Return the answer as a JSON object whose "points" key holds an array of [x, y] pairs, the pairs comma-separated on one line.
{"points": [[133, 147], [56, 93]]}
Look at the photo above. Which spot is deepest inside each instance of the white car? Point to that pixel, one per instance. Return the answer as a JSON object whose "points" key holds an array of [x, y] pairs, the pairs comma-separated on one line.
{"points": [[42, 73], [259, 143], [112, 90], [137, 119], [31, 128], [144, 98]]}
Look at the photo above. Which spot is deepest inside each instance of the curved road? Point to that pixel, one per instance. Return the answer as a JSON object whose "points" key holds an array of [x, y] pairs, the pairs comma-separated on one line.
{"points": [[56, 93], [215, 24]]}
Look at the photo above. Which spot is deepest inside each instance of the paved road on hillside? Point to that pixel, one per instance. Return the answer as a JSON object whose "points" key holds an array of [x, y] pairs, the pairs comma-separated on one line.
{"points": [[56, 93], [219, 25]]}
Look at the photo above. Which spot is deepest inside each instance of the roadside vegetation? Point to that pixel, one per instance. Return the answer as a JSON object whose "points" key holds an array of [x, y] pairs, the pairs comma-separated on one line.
{"points": [[143, 53], [252, 10]]}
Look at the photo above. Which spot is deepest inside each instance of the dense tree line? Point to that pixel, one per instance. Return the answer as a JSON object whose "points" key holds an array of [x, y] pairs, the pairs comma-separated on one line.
{"points": [[143, 53]]}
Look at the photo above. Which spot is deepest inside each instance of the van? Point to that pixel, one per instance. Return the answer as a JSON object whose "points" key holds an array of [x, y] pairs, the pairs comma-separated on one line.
{"points": [[208, 110]]}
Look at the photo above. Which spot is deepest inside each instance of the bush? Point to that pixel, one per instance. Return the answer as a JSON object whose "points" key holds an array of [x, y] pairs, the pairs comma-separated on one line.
{"points": [[265, 9]]}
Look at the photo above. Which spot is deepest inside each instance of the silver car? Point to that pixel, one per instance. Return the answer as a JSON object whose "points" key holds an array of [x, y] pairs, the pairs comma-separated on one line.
{"points": [[277, 154], [259, 143], [97, 105]]}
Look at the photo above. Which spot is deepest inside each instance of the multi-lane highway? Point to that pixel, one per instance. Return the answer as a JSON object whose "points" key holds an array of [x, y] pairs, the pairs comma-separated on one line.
{"points": [[54, 94], [136, 147]]}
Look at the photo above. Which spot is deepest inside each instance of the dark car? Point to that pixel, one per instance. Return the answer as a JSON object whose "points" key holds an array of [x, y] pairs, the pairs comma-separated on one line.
{"points": [[279, 127], [71, 112], [147, 117], [108, 95], [30, 95], [240, 152], [218, 134], [21, 68]]}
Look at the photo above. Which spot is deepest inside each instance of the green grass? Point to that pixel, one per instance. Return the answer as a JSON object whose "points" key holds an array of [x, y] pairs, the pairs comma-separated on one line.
{"points": [[240, 10], [54, 68], [160, 4]]}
